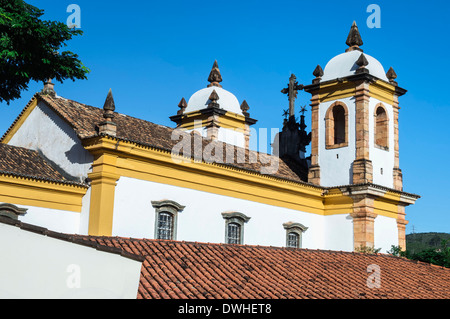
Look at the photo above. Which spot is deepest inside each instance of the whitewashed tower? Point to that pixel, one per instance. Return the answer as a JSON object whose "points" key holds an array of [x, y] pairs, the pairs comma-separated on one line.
{"points": [[216, 113], [355, 136], [355, 120]]}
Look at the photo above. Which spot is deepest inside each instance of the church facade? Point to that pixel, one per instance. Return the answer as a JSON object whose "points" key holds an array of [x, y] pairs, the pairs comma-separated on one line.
{"points": [[85, 170]]}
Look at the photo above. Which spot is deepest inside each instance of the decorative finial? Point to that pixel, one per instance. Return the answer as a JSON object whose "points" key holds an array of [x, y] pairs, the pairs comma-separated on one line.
{"points": [[108, 126], [109, 107], [245, 108], [214, 97], [182, 105], [214, 76], [362, 63], [318, 73], [391, 75], [49, 88], [354, 40]]}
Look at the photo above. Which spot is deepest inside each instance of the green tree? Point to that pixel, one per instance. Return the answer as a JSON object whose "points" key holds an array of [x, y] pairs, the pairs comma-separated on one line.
{"points": [[437, 256], [30, 49]]}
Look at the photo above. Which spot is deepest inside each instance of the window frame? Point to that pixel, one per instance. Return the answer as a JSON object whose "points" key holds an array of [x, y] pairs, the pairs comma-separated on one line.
{"points": [[235, 218], [168, 207], [330, 126], [384, 126], [297, 229]]}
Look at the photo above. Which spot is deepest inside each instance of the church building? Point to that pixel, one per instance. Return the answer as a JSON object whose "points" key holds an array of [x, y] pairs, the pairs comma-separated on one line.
{"points": [[86, 170]]}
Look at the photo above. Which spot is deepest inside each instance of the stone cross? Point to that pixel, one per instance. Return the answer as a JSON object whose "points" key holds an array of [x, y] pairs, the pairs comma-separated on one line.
{"points": [[291, 91]]}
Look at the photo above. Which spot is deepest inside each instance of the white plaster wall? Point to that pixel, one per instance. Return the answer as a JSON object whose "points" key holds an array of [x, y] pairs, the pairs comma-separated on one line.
{"points": [[46, 132], [202, 221], [84, 216], [57, 220], [336, 164], [386, 233], [381, 159], [229, 136], [35, 266]]}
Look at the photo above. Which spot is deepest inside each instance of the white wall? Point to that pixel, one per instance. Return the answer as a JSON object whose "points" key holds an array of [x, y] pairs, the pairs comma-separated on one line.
{"points": [[57, 220], [339, 232], [381, 159], [335, 164], [229, 136], [46, 132], [386, 233], [37, 266]]}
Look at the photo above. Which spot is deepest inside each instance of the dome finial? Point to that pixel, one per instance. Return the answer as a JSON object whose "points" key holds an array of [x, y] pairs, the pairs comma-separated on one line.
{"points": [[391, 75], [214, 76], [213, 98], [182, 105], [354, 40]]}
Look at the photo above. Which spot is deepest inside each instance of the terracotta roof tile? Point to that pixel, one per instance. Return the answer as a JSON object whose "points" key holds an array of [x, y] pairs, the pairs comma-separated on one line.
{"points": [[188, 270]]}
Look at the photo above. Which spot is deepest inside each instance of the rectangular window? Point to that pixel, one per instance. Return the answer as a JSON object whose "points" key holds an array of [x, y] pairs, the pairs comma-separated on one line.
{"points": [[165, 225], [293, 240], [234, 233]]}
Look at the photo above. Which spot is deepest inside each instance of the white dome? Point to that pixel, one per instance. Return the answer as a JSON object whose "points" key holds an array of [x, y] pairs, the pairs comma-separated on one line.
{"points": [[227, 101], [344, 65]]}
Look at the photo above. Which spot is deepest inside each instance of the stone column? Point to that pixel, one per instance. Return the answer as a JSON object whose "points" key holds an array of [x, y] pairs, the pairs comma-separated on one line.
{"points": [[397, 172], [401, 226], [314, 170], [362, 165], [363, 221]]}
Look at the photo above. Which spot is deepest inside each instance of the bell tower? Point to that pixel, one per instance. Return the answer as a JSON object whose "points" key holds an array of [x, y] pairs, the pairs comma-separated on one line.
{"points": [[215, 113], [354, 131]]}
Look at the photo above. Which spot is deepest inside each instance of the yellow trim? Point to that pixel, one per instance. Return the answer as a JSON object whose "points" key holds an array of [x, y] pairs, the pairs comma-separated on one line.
{"points": [[336, 203], [103, 186], [158, 166], [20, 120], [382, 91], [25, 191], [116, 158], [387, 205], [336, 90]]}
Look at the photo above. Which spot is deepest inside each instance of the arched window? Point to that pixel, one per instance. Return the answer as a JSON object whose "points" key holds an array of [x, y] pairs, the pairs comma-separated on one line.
{"points": [[234, 227], [336, 126], [166, 218], [381, 127], [294, 232]]}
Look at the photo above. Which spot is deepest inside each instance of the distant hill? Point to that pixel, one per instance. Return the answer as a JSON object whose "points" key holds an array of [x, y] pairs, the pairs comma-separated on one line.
{"points": [[418, 242]]}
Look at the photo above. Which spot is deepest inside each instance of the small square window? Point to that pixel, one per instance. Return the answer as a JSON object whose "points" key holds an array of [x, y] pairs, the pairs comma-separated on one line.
{"points": [[234, 227], [294, 232], [165, 225], [166, 218]]}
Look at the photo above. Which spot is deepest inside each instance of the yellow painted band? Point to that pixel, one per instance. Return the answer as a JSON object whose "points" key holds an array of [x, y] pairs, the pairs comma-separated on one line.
{"points": [[24, 191]]}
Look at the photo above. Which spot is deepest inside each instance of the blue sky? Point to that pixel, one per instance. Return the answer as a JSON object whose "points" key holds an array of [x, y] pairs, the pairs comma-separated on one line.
{"points": [[153, 53]]}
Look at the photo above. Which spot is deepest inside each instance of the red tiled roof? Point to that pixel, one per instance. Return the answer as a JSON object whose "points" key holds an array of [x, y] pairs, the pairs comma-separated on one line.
{"points": [[188, 270], [84, 120]]}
